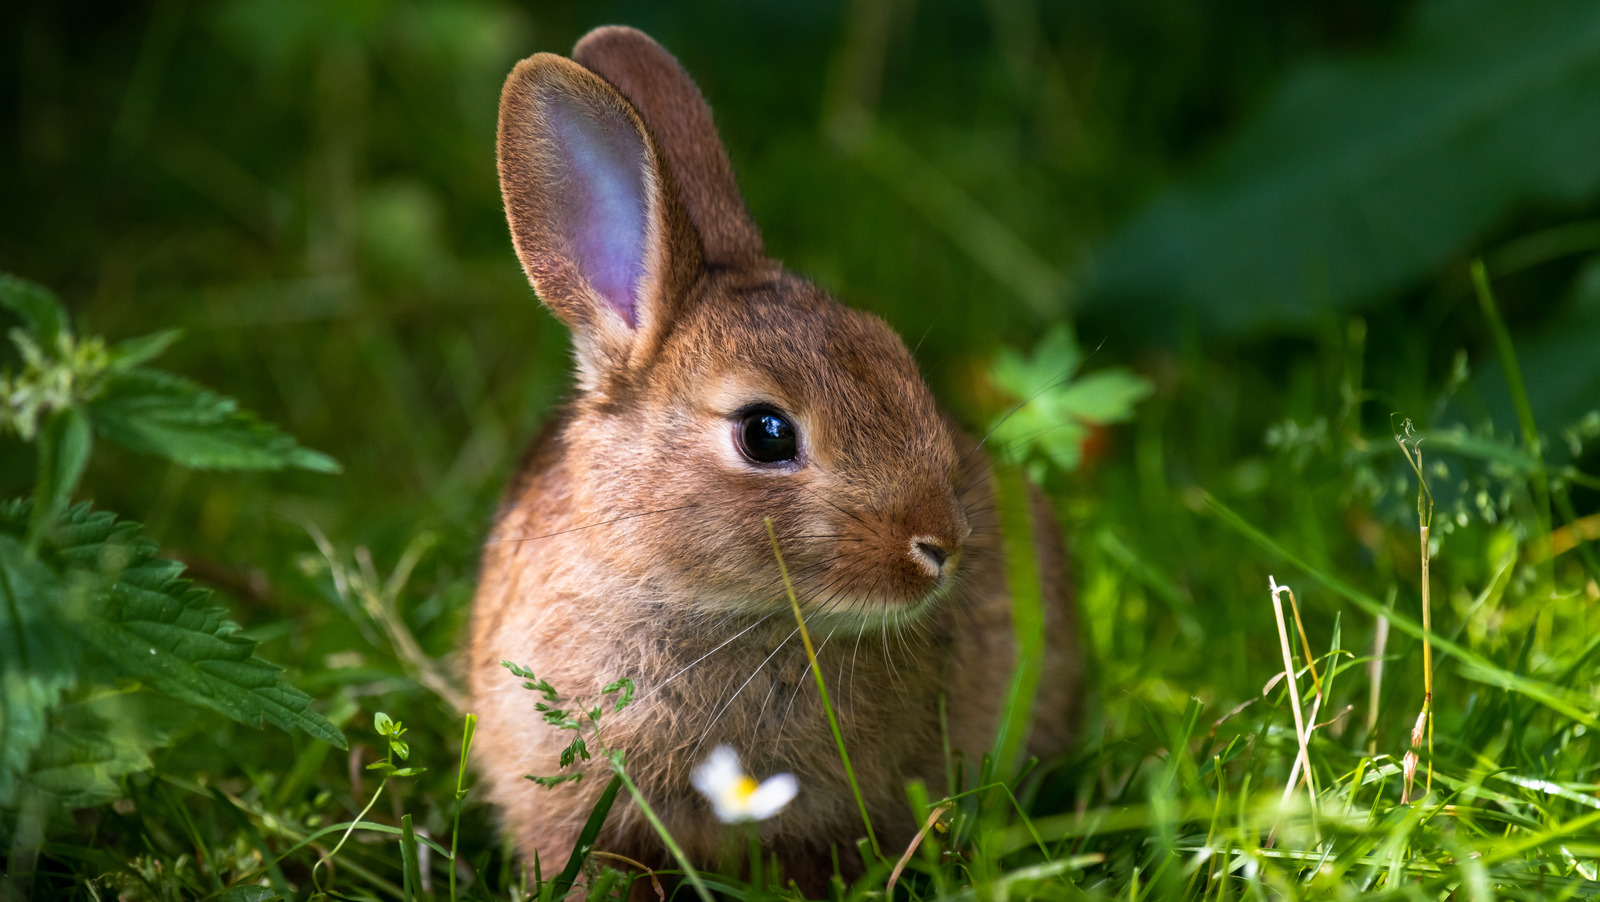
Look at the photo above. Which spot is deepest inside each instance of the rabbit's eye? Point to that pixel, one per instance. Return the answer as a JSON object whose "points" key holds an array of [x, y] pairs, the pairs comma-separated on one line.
{"points": [[767, 436]]}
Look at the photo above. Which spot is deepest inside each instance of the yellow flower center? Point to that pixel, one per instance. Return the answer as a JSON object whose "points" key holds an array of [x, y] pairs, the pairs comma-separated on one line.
{"points": [[745, 788]]}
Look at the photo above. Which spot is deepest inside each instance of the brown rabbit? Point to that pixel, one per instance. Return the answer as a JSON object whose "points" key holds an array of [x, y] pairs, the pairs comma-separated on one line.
{"points": [[716, 390]]}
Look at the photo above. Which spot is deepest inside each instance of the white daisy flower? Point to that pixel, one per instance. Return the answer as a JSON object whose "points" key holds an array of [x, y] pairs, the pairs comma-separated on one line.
{"points": [[736, 796]]}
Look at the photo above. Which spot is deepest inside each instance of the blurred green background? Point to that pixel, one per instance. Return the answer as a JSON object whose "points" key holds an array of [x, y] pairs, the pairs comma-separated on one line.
{"points": [[1266, 208]]}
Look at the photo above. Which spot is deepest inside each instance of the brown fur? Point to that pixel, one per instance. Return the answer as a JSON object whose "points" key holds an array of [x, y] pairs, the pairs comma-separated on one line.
{"points": [[633, 541]]}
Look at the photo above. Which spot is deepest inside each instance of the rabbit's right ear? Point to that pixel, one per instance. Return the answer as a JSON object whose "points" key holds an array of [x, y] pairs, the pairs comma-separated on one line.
{"points": [[594, 214]]}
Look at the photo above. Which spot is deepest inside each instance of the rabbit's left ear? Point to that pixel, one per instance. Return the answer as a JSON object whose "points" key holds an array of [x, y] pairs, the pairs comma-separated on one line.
{"points": [[594, 214], [680, 122]]}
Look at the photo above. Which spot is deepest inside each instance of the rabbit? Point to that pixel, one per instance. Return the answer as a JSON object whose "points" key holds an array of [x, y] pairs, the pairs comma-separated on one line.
{"points": [[715, 390]]}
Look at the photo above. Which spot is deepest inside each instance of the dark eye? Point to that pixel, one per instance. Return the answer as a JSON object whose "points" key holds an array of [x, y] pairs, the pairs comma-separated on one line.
{"points": [[767, 436]]}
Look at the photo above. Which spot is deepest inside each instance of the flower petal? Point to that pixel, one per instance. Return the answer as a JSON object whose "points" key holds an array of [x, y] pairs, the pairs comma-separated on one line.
{"points": [[772, 795], [718, 773]]}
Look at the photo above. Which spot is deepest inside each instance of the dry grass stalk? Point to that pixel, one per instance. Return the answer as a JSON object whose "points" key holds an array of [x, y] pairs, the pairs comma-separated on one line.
{"points": [[1316, 684], [911, 849], [1380, 645], [1301, 733], [1411, 446], [655, 882]]}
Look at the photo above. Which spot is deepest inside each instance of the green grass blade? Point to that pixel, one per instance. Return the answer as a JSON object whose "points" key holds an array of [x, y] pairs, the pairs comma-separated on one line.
{"points": [[408, 860], [1027, 616], [822, 690], [591, 829], [1476, 668], [1519, 392]]}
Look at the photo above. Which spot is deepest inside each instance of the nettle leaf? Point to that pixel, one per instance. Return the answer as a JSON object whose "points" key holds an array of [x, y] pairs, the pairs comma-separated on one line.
{"points": [[1057, 409], [95, 742], [64, 444], [43, 317], [38, 660], [1363, 175], [134, 351], [169, 416], [148, 624]]}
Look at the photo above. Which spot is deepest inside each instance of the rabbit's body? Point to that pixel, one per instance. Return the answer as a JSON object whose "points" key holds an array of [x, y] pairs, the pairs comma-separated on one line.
{"points": [[633, 542]]}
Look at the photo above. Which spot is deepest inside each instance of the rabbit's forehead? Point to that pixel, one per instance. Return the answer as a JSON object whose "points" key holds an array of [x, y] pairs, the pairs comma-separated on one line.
{"points": [[846, 374]]}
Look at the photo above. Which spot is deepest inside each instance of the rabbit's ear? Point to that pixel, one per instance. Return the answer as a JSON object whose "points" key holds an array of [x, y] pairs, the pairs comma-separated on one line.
{"points": [[680, 120], [594, 215]]}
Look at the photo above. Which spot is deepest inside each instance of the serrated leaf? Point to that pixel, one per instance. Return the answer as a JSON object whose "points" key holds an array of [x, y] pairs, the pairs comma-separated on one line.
{"points": [[1365, 174], [147, 623], [95, 742], [38, 660], [134, 351], [42, 315], [171, 417]]}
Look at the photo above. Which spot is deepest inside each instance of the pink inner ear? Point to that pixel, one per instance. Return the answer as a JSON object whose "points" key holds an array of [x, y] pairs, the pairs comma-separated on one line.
{"points": [[601, 203]]}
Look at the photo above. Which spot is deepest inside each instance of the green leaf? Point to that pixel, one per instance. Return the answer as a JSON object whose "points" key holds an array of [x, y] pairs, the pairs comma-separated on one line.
{"points": [[1364, 174], [169, 416], [94, 743], [42, 315], [144, 622], [557, 780], [586, 838], [1054, 411], [1105, 396], [623, 685], [38, 660], [382, 723], [63, 446], [135, 351]]}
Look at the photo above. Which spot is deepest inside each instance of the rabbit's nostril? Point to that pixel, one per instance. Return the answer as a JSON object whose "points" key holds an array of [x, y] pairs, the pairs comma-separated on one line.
{"points": [[931, 552]]}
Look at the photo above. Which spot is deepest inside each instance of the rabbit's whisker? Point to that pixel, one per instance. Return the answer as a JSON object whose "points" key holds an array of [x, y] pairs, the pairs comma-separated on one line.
{"points": [[661, 685], [695, 753], [830, 502]]}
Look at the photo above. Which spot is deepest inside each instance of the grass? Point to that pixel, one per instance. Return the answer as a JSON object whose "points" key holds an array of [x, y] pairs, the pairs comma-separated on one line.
{"points": [[1185, 787], [375, 310]]}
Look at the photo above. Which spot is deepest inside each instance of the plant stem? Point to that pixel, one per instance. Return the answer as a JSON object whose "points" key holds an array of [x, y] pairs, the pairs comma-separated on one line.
{"points": [[1027, 619], [661, 829], [351, 829], [822, 689], [461, 793]]}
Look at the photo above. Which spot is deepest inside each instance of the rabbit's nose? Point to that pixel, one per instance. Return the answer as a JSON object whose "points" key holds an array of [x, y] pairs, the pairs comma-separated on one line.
{"points": [[931, 554]]}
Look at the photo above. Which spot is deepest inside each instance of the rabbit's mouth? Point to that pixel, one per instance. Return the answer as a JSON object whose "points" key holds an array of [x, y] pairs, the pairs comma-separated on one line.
{"points": [[893, 593], [876, 612]]}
